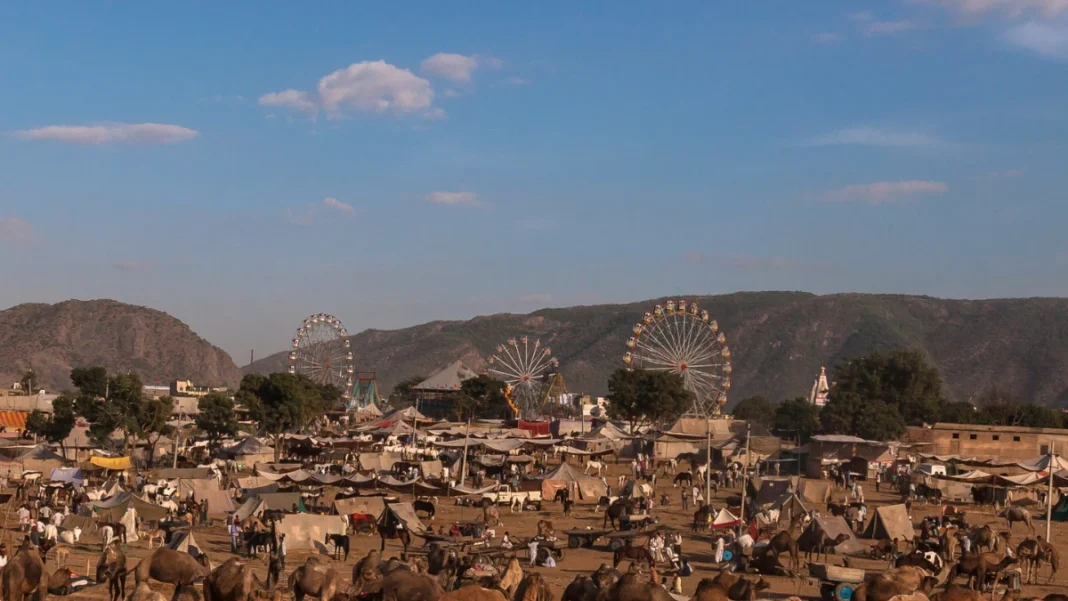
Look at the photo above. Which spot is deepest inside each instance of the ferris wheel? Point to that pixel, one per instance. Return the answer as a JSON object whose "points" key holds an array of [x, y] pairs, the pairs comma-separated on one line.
{"points": [[681, 338], [522, 364], [321, 350]]}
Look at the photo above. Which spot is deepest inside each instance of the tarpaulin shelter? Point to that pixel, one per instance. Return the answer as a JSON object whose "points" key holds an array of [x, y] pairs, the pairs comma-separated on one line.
{"points": [[252, 485], [87, 523], [535, 428], [890, 522], [832, 527], [402, 513], [183, 542], [380, 462], [219, 501], [308, 531], [253, 506], [249, 451], [72, 475], [112, 463], [952, 491], [725, 519], [41, 459], [430, 469], [565, 476], [790, 506], [372, 506], [116, 506], [188, 473], [817, 491], [771, 491], [284, 501]]}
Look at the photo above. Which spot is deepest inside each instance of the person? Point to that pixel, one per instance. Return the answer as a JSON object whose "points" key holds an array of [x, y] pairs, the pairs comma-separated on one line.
{"points": [[282, 550], [685, 500], [549, 561], [3, 555], [654, 546], [676, 543], [35, 536], [235, 535], [720, 548], [676, 584], [506, 541], [45, 513], [697, 498], [204, 511], [878, 479], [686, 568], [860, 493], [532, 548]]}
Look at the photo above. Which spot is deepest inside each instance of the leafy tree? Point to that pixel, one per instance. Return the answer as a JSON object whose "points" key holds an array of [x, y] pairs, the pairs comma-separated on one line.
{"points": [[29, 382], [90, 381], [284, 402], [959, 412], [869, 419], [216, 417], [641, 396], [403, 395], [481, 396], [904, 380], [54, 428], [1001, 409], [151, 422], [755, 409], [799, 417]]}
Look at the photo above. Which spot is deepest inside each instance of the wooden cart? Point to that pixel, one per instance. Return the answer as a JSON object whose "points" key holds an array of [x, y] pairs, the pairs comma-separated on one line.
{"points": [[583, 538], [837, 583]]}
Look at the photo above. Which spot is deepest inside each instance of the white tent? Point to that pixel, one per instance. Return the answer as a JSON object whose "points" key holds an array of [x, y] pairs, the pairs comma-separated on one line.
{"points": [[725, 519]]}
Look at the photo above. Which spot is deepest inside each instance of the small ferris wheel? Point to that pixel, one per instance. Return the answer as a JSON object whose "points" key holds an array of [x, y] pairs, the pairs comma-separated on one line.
{"points": [[683, 339], [523, 364], [321, 351]]}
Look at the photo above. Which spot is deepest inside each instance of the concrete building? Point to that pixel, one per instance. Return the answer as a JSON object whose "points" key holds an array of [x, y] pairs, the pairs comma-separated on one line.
{"points": [[187, 388], [1007, 443]]}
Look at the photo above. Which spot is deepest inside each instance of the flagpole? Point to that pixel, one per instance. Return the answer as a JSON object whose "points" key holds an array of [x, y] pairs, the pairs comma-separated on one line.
{"points": [[1049, 495]]}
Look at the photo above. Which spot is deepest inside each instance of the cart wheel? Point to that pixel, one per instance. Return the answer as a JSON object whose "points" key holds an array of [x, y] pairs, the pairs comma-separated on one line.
{"points": [[843, 592], [827, 591], [573, 541], [615, 545]]}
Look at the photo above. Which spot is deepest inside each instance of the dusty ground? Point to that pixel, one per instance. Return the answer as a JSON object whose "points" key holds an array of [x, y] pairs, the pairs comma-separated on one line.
{"points": [[581, 561]]}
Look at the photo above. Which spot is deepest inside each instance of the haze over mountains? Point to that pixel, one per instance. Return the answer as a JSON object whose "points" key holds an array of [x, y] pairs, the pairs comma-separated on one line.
{"points": [[779, 342]]}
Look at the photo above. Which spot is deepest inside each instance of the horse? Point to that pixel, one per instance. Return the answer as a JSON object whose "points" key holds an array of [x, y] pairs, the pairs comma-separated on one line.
{"points": [[425, 506], [394, 531], [595, 465], [617, 510], [1013, 514], [634, 554], [341, 543], [701, 517], [682, 478], [561, 495], [567, 507], [259, 540]]}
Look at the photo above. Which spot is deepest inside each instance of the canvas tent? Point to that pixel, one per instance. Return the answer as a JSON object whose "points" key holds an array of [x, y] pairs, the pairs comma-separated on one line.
{"points": [[431, 469], [189, 473], [372, 506], [569, 477], [283, 501], [890, 522], [832, 527], [252, 485], [184, 542], [251, 507], [249, 451], [219, 501], [817, 491], [770, 491], [308, 531], [790, 506], [116, 506], [402, 513], [72, 475], [41, 459], [725, 519]]}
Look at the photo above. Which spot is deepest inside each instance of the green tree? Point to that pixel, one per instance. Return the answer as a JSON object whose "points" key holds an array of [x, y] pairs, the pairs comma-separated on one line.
{"points": [[151, 423], [481, 396], [284, 402], [1002, 409], [904, 380], [640, 396], [90, 381], [959, 412], [756, 409], [868, 419], [403, 395], [29, 382], [799, 417], [216, 417], [54, 428]]}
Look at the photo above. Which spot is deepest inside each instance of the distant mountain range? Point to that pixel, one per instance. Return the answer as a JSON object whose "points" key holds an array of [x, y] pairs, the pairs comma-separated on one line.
{"points": [[779, 342], [53, 339]]}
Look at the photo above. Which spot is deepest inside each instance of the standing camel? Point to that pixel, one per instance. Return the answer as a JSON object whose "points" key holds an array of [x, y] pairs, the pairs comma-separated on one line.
{"points": [[1013, 514]]}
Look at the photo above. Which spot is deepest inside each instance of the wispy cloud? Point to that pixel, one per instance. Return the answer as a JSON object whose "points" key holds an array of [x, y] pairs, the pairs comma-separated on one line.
{"points": [[111, 133], [131, 266], [457, 68], [878, 193], [828, 37], [870, 136], [1049, 40], [1009, 8], [16, 232], [871, 26], [455, 199], [336, 205], [375, 87]]}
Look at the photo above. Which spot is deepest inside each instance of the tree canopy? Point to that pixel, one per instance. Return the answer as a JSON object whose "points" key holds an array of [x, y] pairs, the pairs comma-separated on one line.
{"points": [[216, 416], [481, 396], [284, 402], [797, 418], [90, 381], [756, 409], [54, 428], [904, 380], [402, 395], [29, 382], [641, 396]]}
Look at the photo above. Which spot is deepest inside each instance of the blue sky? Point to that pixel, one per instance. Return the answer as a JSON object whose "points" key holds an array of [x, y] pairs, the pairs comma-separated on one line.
{"points": [[242, 165]]}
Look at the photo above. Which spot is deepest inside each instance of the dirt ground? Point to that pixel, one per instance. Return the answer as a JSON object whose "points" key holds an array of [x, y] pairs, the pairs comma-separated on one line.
{"points": [[697, 548]]}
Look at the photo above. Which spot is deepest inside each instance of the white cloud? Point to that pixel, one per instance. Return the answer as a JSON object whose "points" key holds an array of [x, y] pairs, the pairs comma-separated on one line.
{"points": [[1011, 8], [342, 207], [1046, 39], [885, 192], [454, 67], [131, 266], [368, 87], [294, 99], [828, 37], [16, 232], [455, 199], [111, 133], [869, 136]]}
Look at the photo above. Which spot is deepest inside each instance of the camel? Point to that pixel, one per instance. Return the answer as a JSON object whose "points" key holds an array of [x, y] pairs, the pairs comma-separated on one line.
{"points": [[315, 579], [405, 585], [474, 592], [784, 543], [23, 575], [978, 566], [511, 577], [59, 582], [1013, 514], [234, 581], [631, 588], [172, 567], [533, 588], [112, 568], [905, 580], [491, 515], [365, 571], [634, 554], [144, 593], [983, 538], [702, 517], [957, 593], [545, 528]]}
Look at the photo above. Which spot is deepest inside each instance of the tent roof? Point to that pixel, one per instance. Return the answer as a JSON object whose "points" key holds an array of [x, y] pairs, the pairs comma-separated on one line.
{"points": [[606, 430], [372, 506], [185, 473], [725, 519], [567, 473], [249, 446], [895, 522], [833, 526], [184, 542], [404, 512], [447, 378], [41, 452], [280, 500]]}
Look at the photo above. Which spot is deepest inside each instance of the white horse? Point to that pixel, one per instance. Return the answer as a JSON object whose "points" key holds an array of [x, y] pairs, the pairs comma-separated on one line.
{"points": [[107, 535], [70, 536], [95, 495], [169, 505], [595, 465]]}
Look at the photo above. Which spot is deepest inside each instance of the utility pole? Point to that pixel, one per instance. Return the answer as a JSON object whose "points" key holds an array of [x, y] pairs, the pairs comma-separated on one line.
{"points": [[177, 434], [708, 459], [745, 470], [1051, 465], [463, 460]]}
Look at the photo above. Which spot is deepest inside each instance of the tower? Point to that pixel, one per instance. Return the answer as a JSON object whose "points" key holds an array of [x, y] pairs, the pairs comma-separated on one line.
{"points": [[820, 389]]}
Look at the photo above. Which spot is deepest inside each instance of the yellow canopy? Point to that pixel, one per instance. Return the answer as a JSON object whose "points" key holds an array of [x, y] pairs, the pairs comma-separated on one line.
{"points": [[112, 463]]}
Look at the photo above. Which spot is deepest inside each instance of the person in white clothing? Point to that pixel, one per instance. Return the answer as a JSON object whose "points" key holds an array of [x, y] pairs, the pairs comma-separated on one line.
{"points": [[720, 547]]}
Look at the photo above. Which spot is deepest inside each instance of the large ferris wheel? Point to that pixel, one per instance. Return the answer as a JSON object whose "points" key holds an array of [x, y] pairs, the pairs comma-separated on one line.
{"points": [[523, 364], [321, 350], [683, 339]]}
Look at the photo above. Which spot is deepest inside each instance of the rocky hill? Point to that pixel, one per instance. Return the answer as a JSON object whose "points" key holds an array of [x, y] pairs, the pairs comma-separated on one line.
{"points": [[52, 339], [779, 341]]}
